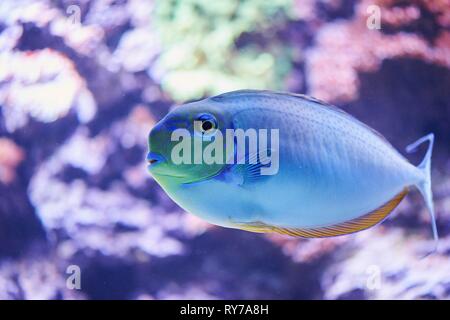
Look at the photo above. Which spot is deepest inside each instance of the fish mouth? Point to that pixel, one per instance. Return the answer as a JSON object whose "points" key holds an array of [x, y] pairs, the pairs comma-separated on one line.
{"points": [[154, 159]]}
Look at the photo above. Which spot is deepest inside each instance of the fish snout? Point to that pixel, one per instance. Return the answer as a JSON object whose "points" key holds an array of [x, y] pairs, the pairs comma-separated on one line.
{"points": [[154, 159]]}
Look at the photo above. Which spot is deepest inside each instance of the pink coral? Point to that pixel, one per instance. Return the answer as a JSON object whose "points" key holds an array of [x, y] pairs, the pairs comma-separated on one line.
{"points": [[345, 48], [11, 156]]}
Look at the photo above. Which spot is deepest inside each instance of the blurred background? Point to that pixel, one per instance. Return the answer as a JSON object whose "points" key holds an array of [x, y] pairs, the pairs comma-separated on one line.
{"points": [[83, 82]]}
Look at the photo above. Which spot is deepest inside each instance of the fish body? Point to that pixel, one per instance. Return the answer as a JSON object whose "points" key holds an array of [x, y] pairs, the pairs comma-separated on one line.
{"points": [[335, 174]]}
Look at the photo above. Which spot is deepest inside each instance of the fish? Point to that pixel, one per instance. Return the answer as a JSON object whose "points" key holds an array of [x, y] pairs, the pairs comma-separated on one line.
{"points": [[335, 175]]}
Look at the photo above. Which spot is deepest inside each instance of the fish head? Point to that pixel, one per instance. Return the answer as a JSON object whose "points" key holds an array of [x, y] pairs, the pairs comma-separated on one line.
{"points": [[174, 153]]}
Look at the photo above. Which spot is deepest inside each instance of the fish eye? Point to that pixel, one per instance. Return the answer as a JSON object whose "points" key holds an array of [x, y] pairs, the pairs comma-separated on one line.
{"points": [[207, 123]]}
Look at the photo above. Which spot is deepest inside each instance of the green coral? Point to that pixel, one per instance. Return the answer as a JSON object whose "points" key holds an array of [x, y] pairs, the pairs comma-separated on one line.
{"points": [[199, 54]]}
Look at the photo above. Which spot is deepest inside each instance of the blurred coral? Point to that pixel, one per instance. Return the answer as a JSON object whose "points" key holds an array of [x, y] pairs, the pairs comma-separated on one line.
{"points": [[199, 54], [39, 278], [345, 48], [11, 156], [43, 85], [388, 269], [83, 81]]}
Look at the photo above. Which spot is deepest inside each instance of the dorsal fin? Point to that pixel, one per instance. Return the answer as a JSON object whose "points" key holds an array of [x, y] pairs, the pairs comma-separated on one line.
{"points": [[237, 94], [240, 93], [366, 221], [319, 103]]}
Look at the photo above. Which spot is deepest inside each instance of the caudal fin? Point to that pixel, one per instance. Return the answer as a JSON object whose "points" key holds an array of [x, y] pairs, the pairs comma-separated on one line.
{"points": [[424, 185]]}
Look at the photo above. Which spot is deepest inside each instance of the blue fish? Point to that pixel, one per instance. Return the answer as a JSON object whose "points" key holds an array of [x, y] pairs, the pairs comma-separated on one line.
{"points": [[335, 174]]}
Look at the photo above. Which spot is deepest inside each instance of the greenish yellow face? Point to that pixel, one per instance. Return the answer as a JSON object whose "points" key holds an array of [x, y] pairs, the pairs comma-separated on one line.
{"points": [[178, 144]]}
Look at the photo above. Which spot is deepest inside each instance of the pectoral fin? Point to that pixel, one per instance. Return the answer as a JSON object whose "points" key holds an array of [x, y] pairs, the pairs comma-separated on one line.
{"points": [[249, 169], [364, 222]]}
